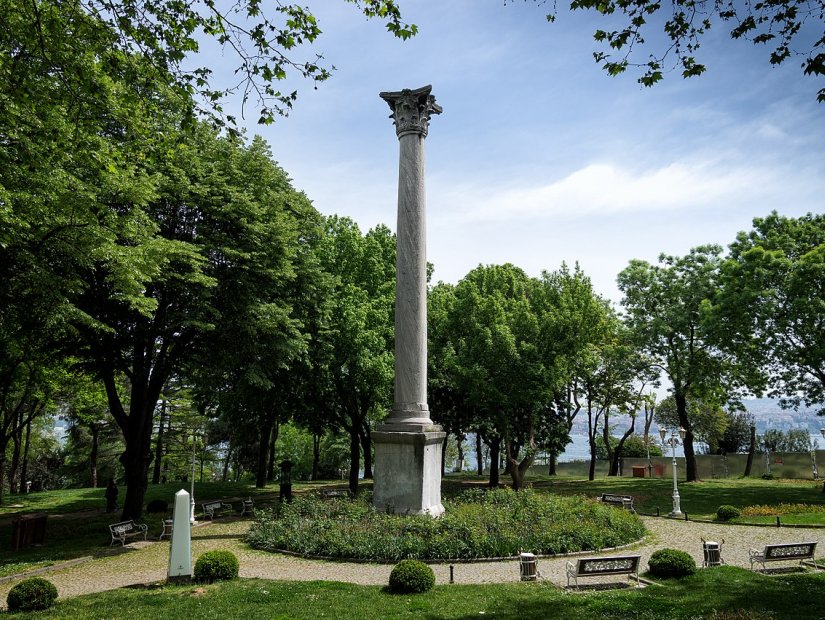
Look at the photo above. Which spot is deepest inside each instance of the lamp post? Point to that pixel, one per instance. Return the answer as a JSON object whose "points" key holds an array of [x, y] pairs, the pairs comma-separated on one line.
{"points": [[822, 431], [192, 493], [673, 440]]}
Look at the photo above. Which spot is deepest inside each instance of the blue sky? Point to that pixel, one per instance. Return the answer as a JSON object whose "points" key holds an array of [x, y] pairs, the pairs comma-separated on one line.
{"points": [[539, 156]]}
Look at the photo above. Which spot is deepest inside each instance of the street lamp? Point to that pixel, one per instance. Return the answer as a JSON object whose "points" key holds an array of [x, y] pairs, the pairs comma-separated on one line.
{"points": [[673, 440], [192, 493], [822, 431]]}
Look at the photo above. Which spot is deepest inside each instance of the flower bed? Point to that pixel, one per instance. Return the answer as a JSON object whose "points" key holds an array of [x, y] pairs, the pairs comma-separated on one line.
{"points": [[476, 525]]}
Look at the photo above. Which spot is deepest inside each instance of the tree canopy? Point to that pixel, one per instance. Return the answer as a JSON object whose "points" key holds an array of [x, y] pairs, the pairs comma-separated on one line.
{"points": [[656, 39]]}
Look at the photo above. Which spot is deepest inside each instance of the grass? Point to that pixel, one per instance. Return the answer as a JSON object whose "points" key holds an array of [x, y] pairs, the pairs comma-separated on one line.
{"points": [[721, 593], [69, 536], [75, 500], [700, 499]]}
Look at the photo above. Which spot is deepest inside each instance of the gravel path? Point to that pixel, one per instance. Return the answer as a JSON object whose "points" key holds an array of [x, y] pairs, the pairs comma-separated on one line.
{"points": [[146, 562]]}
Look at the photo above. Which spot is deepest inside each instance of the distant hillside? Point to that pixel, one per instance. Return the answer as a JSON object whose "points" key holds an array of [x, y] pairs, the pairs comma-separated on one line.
{"points": [[768, 414]]}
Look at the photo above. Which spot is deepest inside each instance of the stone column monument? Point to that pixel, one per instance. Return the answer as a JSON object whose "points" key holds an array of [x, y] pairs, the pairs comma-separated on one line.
{"points": [[408, 446]]}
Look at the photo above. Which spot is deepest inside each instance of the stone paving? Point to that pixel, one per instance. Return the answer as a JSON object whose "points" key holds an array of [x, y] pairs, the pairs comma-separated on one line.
{"points": [[146, 562]]}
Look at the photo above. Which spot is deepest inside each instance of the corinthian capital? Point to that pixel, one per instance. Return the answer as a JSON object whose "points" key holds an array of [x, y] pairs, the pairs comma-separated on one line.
{"points": [[411, 109]]}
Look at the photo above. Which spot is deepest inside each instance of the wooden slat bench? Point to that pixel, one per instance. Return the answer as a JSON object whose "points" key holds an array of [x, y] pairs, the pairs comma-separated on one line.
{"points": [[625, 501], [126, 529], [214, 509], [609, 565], [789, 551], [167, 527]]}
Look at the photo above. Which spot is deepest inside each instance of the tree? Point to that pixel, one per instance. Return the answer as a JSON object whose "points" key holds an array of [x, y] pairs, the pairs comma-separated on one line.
{"points": [[572, 318], [669, 308], [264, 41], [606, 378], [87, 411], [774, 299], [708, 419], [790, 28], [736, 437], [355, 356], [496, 364], [794, 440]]}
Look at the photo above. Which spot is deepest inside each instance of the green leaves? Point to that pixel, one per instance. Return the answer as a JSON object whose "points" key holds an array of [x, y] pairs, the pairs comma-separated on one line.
{"points": [[782, 23], [774, 286]]}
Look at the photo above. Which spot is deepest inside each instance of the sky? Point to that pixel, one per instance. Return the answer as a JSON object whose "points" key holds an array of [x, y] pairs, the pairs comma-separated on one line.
{"points": [[540, 157]]}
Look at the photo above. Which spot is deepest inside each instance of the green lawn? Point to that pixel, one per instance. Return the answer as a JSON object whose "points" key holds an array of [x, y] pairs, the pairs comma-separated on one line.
{"points": [[87, 534], [722, 593], [68, 538], [699, 499]]}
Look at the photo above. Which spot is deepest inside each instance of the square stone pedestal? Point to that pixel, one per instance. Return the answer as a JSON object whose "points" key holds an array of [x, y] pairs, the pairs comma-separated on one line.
{"points": [[408, 472]]}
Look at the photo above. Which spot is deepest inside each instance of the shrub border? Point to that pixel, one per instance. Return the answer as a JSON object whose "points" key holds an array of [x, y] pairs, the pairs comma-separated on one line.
{"points": [[327, 558]]}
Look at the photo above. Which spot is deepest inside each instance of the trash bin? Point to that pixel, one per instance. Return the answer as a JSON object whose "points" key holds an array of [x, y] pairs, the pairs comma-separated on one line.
{"points": [[528, 567], [28, 530], [638, 471], [712, 553]]}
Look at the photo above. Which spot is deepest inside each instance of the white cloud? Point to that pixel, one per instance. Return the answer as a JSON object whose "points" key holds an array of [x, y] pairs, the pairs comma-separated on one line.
{"points": [[603, 188]]}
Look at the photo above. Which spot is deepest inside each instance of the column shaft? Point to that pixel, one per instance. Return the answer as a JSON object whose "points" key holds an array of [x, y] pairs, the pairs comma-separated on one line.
{"points": [[411, 287]]}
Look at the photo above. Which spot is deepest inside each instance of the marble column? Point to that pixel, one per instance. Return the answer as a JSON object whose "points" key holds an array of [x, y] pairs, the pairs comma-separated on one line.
{"points": [[408, 446]]}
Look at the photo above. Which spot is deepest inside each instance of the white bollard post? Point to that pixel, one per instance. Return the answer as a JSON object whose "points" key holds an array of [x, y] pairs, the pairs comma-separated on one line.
{"points": [[180, 551]]}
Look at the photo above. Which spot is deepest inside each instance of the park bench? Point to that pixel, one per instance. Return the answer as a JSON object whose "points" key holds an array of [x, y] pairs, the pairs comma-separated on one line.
{"points": [[127, 529], [784, 552], [330, 493], [625, 501], [167, 527], [214, 509], [610, 565]]}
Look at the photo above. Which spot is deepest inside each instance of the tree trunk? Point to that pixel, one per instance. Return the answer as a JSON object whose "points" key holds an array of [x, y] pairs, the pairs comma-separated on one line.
{"points": [[273, 439], [592, 429], [684, 422], [617, 454], [354, 458], [3, 445], [95, 430], [264, 434], [24, 465], [365, 437], [316, 455], [225, 471], [17, 439], [444, 453], [606, 439], [136, 460], [479, 455], [159, 443], [751, 452], [495, 457], [518, 469], [552, 469]]}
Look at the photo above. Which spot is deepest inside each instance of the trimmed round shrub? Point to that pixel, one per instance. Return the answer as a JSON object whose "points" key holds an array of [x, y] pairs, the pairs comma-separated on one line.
{"points": [[33, 594], [217, 565], [671, 563], [727, 512], [157, 505], [411, 577]]}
